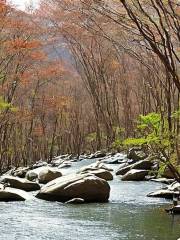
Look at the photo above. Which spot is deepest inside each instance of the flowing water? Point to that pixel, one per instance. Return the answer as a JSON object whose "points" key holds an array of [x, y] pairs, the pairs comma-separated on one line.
{"points": [[129, 215]]}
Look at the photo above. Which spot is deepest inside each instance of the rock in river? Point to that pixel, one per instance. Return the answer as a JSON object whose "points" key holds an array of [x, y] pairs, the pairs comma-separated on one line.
{"points": [[44, 174], [11, 194], [123, 169], [20, 183], [135, 175], [95, 166], [162, 193], [85, 186], [142, 164], [101, 173], [136, 154], [48, 174]]}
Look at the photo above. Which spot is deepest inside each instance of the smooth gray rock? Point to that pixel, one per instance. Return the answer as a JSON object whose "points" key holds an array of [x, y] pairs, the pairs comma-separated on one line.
{"points": [[101, 173], [85, 186], [143, 165], [48, 174], [11, 194], [20, 183], [135, 175]]}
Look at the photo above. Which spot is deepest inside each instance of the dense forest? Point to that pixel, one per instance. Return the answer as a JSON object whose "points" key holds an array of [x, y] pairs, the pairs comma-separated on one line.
{"points": [[80, 76]]}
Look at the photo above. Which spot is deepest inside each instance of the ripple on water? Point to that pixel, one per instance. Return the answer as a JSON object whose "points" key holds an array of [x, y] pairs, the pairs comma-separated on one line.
{"points": [[129, 215]]}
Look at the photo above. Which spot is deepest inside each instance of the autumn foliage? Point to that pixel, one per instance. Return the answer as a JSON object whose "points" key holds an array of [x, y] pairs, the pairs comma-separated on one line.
{"points": [[75, 75]]}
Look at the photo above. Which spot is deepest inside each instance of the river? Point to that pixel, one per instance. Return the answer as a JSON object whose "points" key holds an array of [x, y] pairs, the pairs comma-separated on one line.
{"points": [[129, 215]]}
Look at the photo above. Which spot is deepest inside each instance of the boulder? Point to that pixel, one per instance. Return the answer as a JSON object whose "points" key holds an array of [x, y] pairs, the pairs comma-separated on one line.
{"points": [[143, 165], [75, 201], [48, 174], [34, 174], [163, 193], [101, 173], [85, 186], [11, 194], [136, 154], [31, 175], [135, 175], [123, 169], [20, 183]]}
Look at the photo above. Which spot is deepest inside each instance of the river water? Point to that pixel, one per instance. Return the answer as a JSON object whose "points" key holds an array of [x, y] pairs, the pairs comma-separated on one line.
{"points": [[129, 215]]}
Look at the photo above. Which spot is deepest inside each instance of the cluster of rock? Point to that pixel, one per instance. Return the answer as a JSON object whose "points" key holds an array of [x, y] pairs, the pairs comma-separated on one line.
{"points": [[88, 184], [137, 167]]}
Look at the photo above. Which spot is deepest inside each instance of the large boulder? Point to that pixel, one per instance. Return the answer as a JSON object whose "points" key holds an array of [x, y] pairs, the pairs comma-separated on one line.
{"points": [[136, 154], [20, 183], [48, 174], [143, 165], [98, 169], [11, 194], [85, 186], [33, 175], [101, 173], [135, 175]]}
